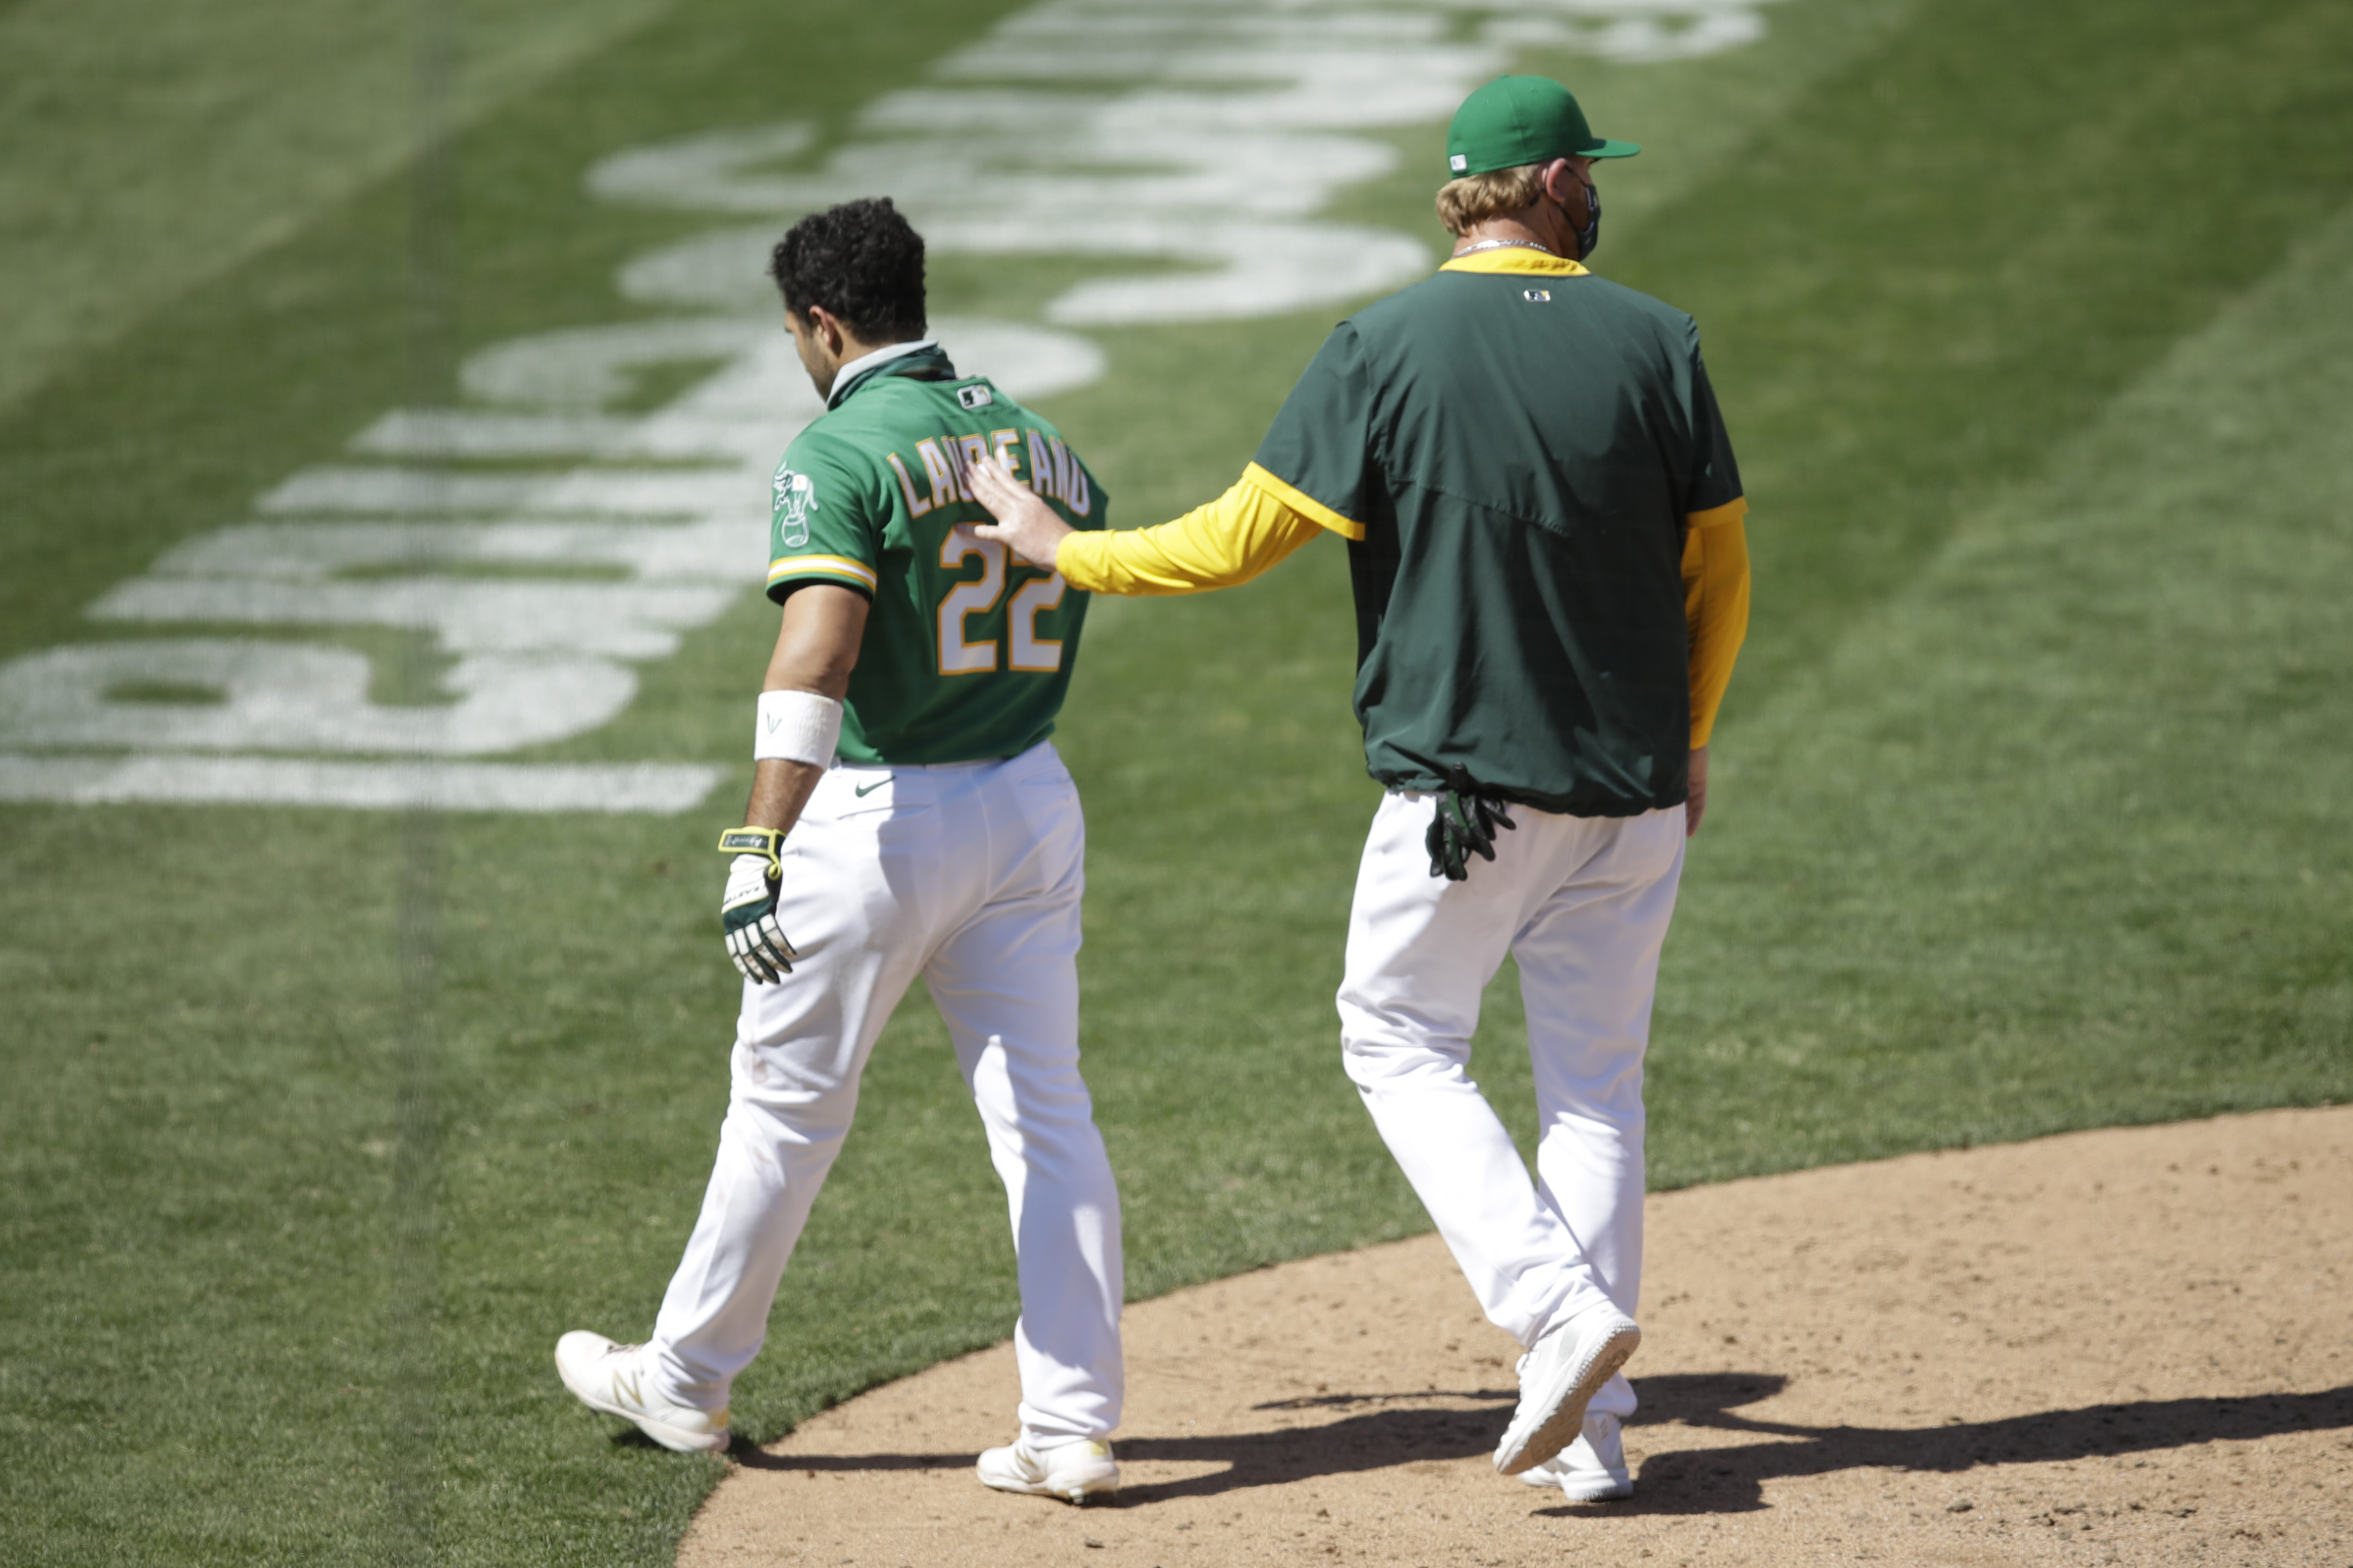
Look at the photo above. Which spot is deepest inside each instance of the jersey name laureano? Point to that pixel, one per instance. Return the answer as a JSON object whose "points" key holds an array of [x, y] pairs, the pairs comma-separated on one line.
{"points": [[967, 651], [947, 462]]}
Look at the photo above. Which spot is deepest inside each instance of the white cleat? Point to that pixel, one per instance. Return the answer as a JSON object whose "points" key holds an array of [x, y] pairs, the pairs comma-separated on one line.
{"points": [[614, 1379], [1075, 1472], [1591, 1469], [1558, 1380]]}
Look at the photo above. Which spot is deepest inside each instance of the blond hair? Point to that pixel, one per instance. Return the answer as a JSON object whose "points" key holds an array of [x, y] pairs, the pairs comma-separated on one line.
{"points": [[1475, 198]]}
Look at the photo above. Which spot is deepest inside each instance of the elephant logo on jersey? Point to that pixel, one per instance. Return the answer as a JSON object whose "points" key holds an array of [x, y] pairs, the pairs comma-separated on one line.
{"points": [[795, 498]]}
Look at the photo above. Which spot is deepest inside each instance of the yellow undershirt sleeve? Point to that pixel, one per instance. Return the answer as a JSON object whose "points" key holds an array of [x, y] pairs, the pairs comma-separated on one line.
{"points": [[1250, 529], [1228, 542], [1715, 607]]}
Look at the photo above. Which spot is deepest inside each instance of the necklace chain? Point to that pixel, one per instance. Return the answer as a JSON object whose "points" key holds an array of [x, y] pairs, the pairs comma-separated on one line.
{"points": [[1503, 244]]}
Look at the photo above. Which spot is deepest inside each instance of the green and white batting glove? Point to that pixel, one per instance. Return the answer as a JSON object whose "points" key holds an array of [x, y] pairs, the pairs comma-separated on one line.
{"points": [[747, 910], [1465, 826]]}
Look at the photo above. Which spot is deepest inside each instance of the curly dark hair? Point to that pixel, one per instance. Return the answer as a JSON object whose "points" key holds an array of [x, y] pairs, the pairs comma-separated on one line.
{"points": [[863, 263]]}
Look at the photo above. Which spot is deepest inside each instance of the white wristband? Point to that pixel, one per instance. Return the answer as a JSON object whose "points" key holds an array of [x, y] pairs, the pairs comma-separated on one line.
{"points": [[796, 726]]}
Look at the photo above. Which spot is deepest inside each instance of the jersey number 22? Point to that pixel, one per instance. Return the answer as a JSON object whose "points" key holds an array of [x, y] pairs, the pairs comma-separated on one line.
{"points": [[977, 597]]}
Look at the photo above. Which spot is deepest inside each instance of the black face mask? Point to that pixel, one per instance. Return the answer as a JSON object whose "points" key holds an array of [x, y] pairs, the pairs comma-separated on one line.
{"points": [[1590, 234]]}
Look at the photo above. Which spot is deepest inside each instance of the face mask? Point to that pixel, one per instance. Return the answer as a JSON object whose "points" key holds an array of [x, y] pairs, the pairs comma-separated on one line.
{"points": [[1590, 234]]}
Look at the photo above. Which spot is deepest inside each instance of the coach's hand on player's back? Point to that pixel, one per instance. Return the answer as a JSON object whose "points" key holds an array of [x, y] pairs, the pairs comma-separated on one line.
{"points": [[1024, 523]]}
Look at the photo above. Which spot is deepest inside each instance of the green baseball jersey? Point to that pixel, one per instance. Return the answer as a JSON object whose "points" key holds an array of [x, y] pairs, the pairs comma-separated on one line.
{"points": [[1519, 451], [968, 653]]}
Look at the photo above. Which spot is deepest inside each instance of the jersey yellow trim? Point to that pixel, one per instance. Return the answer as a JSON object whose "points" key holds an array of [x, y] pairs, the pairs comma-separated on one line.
{"points": [[1300, 502], [1515, 259], [829, 565], [1732, 511]]}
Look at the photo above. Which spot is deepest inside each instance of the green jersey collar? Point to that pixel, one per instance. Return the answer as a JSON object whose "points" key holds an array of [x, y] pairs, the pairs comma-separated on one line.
{"points": [[923, 360]]}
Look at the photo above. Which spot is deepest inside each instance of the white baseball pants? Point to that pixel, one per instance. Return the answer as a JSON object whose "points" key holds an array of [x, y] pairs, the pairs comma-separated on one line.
{"points": [[1583, 904], [969, 876]]}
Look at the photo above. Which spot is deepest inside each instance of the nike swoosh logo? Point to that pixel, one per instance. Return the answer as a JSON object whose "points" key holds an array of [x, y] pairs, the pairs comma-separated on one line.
{"points": [[864, 790]]}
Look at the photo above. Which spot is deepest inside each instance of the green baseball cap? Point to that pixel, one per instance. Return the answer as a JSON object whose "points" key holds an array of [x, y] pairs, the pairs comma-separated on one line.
{"points": [[1516, 119]]}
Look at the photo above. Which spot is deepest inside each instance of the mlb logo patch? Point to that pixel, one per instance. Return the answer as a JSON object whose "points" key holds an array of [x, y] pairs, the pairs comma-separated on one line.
{"points": [[974, 396], [1458, 162], [1537, 296]]}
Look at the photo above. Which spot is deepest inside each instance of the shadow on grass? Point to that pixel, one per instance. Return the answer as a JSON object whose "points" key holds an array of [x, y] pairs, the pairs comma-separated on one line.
{"points": [[1403, 1430]]}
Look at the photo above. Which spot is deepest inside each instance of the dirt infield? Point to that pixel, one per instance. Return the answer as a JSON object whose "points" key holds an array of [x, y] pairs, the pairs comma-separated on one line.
{"points": [[2131, 1346]]}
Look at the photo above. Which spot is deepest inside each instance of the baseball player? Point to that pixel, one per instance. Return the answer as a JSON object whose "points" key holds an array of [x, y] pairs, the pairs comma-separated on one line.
{"points": [[907, 817], [1544, 526]]}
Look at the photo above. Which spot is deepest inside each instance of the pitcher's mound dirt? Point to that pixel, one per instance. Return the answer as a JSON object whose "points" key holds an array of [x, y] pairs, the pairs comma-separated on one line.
{"points": [[2131, 1346]]}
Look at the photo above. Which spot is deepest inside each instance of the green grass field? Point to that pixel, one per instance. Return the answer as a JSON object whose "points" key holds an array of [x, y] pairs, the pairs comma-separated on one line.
{"points": [[2032, 319]]}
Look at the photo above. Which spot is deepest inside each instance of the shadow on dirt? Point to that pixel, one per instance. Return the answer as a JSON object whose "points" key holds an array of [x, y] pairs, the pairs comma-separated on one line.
{"points": [[1404, 1428], [1731, 1480]]}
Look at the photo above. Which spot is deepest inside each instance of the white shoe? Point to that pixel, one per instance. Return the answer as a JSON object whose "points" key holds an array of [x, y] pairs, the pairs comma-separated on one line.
{"points": [[614, 1379], [1591, 1469], [1075, 1472], [1558, 1380]]}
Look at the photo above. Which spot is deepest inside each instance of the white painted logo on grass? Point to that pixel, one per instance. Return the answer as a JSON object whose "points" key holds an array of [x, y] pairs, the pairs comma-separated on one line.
{"points": [[1189, 149]]}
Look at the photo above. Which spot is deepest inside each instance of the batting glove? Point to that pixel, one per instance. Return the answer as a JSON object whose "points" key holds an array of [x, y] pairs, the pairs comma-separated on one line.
{"points": [[1465, 826], [747, 910]]}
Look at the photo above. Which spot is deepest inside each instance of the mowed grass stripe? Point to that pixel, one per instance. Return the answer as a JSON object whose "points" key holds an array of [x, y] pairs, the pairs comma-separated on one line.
{"points": [[176, 427], [194, 1358], [1950, 258], [1888, 363], [153, 147], [197, 1150], [2052, 837]]}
